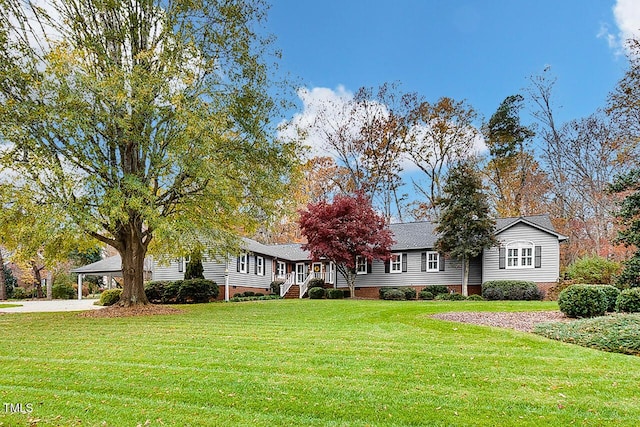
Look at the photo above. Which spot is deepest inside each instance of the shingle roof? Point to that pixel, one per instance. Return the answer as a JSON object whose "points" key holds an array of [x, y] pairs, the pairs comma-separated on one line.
{"points": [[407, 236]]}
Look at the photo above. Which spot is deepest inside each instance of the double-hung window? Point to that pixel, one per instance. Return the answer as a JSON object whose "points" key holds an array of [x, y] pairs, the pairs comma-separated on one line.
{"points": [[396, 263], [433, 261], [361, 265], [243, 263], [260, 266]]}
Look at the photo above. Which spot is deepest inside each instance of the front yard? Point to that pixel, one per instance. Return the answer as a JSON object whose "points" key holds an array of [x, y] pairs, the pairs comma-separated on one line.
{"points": [[305, 362]]}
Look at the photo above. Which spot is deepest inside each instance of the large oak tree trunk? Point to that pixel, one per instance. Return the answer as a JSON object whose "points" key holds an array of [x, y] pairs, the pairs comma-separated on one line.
{"points": [[133, 251]]}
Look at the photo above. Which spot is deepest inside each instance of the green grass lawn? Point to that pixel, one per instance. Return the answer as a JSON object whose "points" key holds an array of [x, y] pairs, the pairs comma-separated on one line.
{"points": [[306, 362], [10, 305]]}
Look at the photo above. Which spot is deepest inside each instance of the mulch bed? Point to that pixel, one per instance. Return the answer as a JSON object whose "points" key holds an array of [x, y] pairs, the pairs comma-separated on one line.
{"points": [[142, 310], [520, 321]]}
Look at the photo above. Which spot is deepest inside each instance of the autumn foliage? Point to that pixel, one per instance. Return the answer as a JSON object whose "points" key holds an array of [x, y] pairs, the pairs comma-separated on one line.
{"points": [[343, 230]]}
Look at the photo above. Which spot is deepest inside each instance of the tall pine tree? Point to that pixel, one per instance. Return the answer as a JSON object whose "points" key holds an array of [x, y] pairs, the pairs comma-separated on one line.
{"points": [[464, 225]]}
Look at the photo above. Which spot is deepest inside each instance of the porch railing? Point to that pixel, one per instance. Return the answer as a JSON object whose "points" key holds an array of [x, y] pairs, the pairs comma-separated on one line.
{"points": [[305, 285], [290, 280]]}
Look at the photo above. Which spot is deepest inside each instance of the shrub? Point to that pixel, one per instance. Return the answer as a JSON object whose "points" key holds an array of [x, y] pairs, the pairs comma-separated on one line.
{"points": [[383, 291], [593, 270], [335, 294], [394, 295], [316, 293], [611, 294], [19, 293], [10, 281], [275, 286], [170, 292], [475, 297], [582, 301], [197, 291], [409, 293], [436, 289], [316, 283], [450, 297], [425, 295], [63, 291], [194, 268], [513, 290], [154, 291], [110, 296], [629, 301]]}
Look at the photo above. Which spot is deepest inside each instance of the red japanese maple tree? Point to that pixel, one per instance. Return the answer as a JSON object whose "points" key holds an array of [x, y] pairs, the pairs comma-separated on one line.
{"points": [[344, 230]]}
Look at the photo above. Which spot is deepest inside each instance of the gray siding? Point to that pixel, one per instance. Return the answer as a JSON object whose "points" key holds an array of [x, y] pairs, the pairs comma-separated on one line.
{"points": [[550, 260], [452, 274], [166, 272], [250, 279]]}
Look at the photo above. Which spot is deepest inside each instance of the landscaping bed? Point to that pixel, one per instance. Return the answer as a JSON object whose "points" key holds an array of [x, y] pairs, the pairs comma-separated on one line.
{"points": [[520, 321]]}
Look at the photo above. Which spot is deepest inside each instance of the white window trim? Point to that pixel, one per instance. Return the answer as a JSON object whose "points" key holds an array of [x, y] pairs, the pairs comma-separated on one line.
{"points": [[361, 265], [281, 269], [395, 266], [430, 261], [518, 247], [260, 266], [244, 258]]}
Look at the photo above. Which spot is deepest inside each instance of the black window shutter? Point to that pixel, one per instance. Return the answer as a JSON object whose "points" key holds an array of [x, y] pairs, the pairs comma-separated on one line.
{"points": [[387, 266], [404, 263], [369, 267], [180, 265], [538, 261], [248, 264], [502, 258], [423, 261], [238, 264], [255, 265], [441, 262]]}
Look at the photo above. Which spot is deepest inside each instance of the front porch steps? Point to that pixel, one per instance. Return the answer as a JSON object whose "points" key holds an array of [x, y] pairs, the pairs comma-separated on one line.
{"points": [[294, 292]]}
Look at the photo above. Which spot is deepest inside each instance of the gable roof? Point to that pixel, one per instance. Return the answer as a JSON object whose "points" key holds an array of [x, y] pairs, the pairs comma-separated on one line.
{"points": [[541, 222]]}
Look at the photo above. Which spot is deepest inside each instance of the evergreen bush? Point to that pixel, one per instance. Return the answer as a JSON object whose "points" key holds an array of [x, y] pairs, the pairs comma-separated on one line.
{"points": [[197, 291], [194, 268], [409, 293], [394, 295], [436, 289], [512, 290], [335, 294], [275, 286], [316, 292], [426, 295], [629, 301], [450, 297], [110, 297], [611, 294], [63, 291], [582, 301]]}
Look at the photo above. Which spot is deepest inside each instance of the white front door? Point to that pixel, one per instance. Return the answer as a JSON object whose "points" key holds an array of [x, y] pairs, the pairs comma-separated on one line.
{"points": [[316, 268], [301, 272]]}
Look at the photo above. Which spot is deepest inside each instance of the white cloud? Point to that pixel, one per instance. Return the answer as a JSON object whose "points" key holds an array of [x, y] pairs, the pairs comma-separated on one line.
{"points": [[627, 18], [327, 110]]}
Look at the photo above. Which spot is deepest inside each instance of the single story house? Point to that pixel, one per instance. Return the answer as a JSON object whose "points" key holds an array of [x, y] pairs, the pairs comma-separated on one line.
{"points": [[529, 250]]}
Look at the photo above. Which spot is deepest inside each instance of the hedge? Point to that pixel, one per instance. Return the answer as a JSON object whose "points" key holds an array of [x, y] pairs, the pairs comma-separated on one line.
{"points": [[182, 291], [316, 292], [513, 290]]}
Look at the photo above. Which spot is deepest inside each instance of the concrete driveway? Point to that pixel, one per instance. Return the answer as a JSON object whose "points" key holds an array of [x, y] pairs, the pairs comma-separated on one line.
{"points": [[29, 306]]}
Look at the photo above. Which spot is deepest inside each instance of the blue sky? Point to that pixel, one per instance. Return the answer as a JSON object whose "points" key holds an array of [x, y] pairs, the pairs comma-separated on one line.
{"points": [[480, 51]]}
